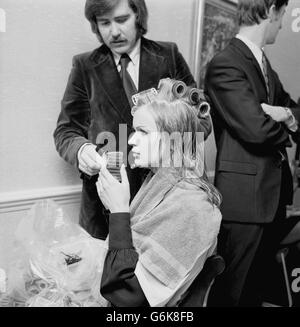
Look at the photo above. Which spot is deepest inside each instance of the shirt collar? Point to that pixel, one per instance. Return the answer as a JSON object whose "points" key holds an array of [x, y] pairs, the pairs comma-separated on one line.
{"points": [[257, 52], [134, 54]]}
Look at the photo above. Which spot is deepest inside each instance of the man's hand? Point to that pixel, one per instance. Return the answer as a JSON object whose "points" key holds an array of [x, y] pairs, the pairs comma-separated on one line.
{"points": [[114, 195], [90, 162], [278, 114]]}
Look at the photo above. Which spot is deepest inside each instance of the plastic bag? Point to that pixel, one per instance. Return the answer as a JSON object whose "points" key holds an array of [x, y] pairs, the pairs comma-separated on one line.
{"points": [[57, 263]]}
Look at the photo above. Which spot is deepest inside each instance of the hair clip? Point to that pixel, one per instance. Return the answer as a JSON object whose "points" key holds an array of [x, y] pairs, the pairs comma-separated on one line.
{"points": [[144, 97]]}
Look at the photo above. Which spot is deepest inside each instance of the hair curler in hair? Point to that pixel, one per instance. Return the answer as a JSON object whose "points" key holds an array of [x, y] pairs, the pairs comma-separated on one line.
{"points": [[203, 109], [179, 89], [170, 89], [196, 98]]}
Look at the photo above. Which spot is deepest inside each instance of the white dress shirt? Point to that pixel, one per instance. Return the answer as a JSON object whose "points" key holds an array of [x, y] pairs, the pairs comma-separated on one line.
{"points": [[134, 64]]}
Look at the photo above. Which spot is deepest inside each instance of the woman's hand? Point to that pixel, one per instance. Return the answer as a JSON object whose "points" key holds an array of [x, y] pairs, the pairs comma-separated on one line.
{"points": [[114, 195]]}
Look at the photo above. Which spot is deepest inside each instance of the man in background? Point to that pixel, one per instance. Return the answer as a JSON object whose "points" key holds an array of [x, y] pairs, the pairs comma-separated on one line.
{"points": [[98, 94], [253, 120]]}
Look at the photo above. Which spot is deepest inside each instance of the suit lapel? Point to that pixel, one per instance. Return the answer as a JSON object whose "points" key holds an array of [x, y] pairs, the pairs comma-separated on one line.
{"points": [[106, 71], [108, 74], [150, 63]]}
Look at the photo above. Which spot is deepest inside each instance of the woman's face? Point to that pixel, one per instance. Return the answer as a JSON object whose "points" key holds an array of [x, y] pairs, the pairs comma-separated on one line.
{"points": [[145, 141]]}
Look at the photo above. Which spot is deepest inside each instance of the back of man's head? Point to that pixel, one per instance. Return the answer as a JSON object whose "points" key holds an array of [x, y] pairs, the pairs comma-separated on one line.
{"points": [[94, 8], [251, 12]]}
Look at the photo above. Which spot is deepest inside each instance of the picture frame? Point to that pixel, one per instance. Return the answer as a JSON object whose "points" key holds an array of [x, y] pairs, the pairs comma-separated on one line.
{"points": [[217, 25]]}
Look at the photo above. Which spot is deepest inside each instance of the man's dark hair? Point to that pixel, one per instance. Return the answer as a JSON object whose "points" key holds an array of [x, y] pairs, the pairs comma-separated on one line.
{"points": [[95, 8], [251, 12]]}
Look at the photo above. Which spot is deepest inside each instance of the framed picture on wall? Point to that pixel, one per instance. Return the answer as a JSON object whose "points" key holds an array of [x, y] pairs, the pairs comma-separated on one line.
{"points": [[219, 25]]}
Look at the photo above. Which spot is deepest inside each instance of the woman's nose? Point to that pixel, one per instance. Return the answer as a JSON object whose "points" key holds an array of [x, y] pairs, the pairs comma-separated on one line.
{"points": [[132, 139]]}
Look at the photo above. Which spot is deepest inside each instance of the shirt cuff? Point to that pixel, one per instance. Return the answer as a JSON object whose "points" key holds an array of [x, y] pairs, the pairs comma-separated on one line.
{"points": [[119, 231], [81, 148], [291, 122]]}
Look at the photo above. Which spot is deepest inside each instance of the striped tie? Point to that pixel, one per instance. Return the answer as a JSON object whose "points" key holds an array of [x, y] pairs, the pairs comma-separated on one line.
{"points": [[265, 73]]}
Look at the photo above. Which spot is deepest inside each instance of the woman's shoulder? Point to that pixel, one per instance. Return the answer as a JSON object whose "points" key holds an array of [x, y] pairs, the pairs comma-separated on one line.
{"points": [[195, 200]]}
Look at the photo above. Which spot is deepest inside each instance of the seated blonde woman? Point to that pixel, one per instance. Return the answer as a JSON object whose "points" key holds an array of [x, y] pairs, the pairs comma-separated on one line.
{"points": [[159, 243]]}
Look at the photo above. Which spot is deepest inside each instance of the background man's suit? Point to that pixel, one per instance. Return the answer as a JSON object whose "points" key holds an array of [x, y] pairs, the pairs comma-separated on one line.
{"points": [[252, 171], [95, 101]]}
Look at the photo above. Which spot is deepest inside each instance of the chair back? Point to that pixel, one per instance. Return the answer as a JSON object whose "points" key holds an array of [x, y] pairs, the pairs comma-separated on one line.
{"points": [[197, 292]]}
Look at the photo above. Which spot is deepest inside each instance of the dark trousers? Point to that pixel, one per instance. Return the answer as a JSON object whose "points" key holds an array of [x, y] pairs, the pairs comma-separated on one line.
{"points": [[248, 249]]}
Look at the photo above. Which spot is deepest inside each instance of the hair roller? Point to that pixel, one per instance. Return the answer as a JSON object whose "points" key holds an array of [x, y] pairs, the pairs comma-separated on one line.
{"points": [[203, 109], [196, 98], [169, 89], [179, 89]]}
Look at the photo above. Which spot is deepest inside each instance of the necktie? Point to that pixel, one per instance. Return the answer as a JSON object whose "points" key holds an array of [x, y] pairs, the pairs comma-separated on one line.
{"points": [[265, 72], [128, 84]]}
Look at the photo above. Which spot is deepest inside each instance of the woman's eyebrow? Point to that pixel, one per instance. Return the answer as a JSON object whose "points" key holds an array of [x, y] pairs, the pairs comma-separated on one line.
{"points": [[141, 127]]}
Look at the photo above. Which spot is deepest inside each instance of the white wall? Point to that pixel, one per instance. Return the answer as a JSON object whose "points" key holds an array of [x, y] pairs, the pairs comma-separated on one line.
{"points": [[35, 60]]}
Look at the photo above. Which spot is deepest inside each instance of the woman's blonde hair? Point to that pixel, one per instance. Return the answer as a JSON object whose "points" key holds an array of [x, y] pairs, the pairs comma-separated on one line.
{"points": [[174, 112]]}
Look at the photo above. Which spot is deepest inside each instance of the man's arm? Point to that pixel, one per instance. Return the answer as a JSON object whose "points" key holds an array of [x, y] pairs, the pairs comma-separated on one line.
{"points": [[233, 98], [73, 122], [284, 100], [119, 284]]}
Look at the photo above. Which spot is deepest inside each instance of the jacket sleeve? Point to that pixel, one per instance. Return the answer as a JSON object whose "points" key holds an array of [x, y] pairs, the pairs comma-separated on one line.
{"points": [[183, 73], [234, 101], [119, 284], [284, 100], [73, 122]]}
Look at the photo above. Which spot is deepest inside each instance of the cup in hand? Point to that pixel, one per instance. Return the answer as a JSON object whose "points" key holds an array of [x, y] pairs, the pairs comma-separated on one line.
{"points": [[114, 163]]}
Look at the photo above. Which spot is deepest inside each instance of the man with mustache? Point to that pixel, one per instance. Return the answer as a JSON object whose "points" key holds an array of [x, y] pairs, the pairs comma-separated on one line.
{"points": [[98, 94]]}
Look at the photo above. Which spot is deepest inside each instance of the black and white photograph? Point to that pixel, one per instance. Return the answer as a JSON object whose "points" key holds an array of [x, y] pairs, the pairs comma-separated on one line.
{"points": [[150, 156]]}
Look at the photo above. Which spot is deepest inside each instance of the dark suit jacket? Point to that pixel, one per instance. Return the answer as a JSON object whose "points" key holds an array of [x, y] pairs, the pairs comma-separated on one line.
{"points": [[249, 142], [95, 101]]}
